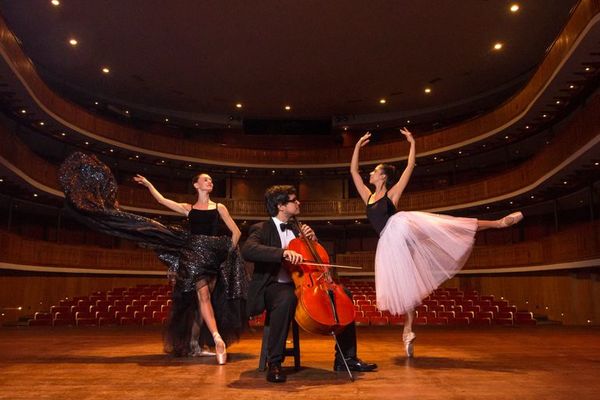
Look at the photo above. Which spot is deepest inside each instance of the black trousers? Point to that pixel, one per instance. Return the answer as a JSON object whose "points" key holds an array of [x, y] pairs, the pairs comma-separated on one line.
{"points": [[281, 301]]}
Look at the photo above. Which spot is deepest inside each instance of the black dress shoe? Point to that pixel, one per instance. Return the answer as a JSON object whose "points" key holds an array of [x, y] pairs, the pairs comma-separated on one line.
{"points": [[275, 373], [355, 364]]}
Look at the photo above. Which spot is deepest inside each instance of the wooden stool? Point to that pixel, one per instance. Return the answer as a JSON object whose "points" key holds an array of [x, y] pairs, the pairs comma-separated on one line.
{"points": [[289, 351]]}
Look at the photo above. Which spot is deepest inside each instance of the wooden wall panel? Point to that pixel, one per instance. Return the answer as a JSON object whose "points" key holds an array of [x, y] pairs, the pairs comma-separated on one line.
{"points": [[570, 297], [18, 250]]}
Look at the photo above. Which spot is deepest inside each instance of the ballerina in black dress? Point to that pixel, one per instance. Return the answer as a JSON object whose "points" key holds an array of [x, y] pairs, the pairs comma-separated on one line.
{"points": [[199, 260], [203, 216]]}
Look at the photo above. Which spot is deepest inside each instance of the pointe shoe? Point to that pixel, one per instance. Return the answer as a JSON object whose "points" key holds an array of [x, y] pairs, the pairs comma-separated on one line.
{"points": [[409, 347], [511, 219], [219, 343]]}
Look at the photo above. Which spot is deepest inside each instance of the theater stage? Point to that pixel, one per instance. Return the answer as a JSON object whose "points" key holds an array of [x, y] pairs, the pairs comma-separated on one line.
{"points": [[543, 362]]}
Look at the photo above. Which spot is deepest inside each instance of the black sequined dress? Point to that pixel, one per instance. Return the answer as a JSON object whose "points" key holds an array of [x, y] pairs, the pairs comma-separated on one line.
{"points": [[197, 257]]}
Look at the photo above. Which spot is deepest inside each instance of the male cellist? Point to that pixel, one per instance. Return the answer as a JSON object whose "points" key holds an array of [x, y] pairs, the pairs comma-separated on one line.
{"points": [[272, 288]]}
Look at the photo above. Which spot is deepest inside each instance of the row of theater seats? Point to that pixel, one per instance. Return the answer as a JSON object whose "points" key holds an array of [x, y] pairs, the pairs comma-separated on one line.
{"points": [[443, 307], [140, 305], [150, 304]]}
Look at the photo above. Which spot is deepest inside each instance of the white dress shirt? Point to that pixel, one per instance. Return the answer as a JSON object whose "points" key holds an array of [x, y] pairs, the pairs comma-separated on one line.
{"points": [[286, 237]]}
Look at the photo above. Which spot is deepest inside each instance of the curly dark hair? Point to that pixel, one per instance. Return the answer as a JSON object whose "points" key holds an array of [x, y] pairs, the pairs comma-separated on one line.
{"points": [[277, 195]]}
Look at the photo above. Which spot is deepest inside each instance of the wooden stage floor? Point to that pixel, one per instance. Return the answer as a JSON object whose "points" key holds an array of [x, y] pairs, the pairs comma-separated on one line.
{"points": [[544, 362]]}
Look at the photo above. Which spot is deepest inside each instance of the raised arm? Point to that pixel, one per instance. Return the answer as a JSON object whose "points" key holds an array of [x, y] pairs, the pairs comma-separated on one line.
{"points": [[235, 231], [181, 208], [396, 191], [361, 188]]}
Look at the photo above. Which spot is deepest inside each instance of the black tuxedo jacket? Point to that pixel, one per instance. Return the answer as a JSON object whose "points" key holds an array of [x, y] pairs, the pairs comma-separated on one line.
{"points": [[263, 248]]}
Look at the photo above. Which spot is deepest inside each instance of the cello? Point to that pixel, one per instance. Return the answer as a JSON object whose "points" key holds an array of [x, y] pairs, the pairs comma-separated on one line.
{"points": [[323, 305]]}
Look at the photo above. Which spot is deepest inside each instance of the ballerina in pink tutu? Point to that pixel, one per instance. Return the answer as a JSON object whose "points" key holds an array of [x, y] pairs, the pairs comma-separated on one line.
{"points": [[416, 251]]}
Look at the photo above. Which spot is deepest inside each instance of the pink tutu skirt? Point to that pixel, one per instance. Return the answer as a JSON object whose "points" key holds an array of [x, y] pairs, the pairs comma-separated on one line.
{"points": [[416, 253]]}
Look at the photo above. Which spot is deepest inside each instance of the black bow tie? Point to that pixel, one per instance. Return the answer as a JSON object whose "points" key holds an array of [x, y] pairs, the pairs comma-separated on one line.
{"points": [[285, 226]]}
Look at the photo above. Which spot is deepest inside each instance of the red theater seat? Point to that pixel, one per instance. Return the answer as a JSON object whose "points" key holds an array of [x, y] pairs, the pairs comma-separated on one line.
{"points": [[372, 314], [446, 314], [524, 318], [465, 314], [430, 303], [42, 316], [422, 308]]}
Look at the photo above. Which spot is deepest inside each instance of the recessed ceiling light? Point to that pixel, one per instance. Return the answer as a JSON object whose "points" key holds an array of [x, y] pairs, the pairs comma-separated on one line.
{"points": [[506, 137], [1, 180], [63, 134], [238, 105], [166, 119], [96, 103], [23, 111], [42, 123], [565, 182], [55, 3], [382, 101], [408, 121], [587, 69], [345, 128], [287, 108], [526, 126], [127, 112], [498, 46], [87, 143], [514, 8], [532, 196], [557, 101], [35, 195], [73, 42], [137, 156], [427, 90], [544, 115], [112, 150], [596, 163], [105, 70], [571, 86]]}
